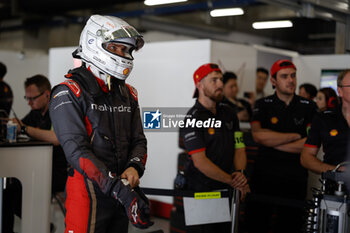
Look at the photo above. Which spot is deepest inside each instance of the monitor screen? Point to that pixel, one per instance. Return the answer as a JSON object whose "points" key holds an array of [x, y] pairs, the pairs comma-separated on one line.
{"points": [[329, 78]]}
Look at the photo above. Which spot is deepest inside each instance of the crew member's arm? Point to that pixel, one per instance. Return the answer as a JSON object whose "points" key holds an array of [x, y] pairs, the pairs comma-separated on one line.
{"points": [[309, 160], [265, 136], [208, 168], [240, 159], [37, 133], [292, 147], [138, 153], [314, 140], [271, 138], [43, 135], [240, 163]]}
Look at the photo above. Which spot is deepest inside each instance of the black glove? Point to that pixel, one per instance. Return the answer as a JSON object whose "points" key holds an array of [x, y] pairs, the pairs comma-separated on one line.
{"points": [[134, 201]]}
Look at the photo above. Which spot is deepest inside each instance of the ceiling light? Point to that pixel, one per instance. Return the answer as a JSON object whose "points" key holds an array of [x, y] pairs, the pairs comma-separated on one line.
{"points": [[342, 5], [325, 14], [226, 12], [160, 2], [273, 24]]}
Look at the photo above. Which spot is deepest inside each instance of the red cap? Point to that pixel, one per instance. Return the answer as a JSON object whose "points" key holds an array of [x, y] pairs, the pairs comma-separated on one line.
{"points": [[202, 72], [281, 64]]}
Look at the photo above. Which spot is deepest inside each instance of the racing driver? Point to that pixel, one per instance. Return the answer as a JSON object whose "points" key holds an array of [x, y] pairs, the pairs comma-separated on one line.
{"points": [[96, 118]]}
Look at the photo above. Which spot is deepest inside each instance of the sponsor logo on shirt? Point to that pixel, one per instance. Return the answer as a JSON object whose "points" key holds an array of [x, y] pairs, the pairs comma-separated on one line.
{"points": [[304, 101], [61, 104], [299, 121], [61, 93], [107, 108], [229, 125], [274, 120], [333, 132], [190, 136], [211, 131]]}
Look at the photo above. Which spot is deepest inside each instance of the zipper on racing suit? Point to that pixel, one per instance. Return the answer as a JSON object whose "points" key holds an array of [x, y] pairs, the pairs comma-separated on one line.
{"points": [[113, 139]]}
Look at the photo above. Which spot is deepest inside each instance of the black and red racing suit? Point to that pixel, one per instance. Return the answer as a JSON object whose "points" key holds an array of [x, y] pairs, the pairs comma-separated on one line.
{"points": [[101, 134]]}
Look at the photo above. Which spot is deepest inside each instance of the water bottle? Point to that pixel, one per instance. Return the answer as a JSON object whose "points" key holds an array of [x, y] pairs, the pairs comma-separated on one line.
{"points": [[11, 133]]}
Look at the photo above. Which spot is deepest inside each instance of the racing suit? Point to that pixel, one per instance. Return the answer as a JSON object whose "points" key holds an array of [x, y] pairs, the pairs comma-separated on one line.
{"points": [[102, 135]]}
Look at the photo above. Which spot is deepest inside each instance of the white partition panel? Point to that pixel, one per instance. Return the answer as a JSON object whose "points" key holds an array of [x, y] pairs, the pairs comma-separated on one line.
{"points": [[60, 62]]}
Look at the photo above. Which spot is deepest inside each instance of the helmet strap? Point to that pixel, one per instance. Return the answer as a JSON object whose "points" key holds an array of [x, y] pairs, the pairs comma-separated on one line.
{"points": [[109, 82]]}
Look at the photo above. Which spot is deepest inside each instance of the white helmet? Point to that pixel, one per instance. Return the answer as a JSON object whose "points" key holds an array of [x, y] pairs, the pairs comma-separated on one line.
{"points": [[98, 31]]}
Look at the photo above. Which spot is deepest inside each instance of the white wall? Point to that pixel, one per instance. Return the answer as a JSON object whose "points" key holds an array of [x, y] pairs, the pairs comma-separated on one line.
{"points": [[19, 67], [61, 61], [309, 66]]}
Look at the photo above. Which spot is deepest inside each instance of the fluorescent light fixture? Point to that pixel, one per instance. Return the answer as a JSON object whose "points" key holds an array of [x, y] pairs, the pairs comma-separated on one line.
{"points": [[325, 14], [342, 5], [226, 12], [160, 2], [273, 24]]}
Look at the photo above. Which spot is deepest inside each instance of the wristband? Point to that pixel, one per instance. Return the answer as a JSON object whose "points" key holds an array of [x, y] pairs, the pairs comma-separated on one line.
{"points": [[23, 130], [239, 143], [241, 171]]}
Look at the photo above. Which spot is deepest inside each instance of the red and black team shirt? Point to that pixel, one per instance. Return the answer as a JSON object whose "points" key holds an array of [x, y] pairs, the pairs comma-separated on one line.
{"points": [[330, 129], [218, 143], [272, 113]]}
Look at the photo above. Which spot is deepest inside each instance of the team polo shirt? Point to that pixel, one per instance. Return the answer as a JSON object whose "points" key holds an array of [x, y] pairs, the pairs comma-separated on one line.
{"points": [[35, 119], [272, 113], [330, 129], [218, 143]]}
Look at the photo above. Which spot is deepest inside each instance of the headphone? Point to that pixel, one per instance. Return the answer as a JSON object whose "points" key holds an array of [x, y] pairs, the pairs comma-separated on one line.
{"points": [[332, 102]]}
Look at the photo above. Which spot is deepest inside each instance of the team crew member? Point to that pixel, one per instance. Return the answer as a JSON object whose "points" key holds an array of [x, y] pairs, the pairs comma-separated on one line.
{"points": [[262, 76], [327, 99], [329, 129], [96, 118], [279, 125], [6, 95], [308, 91], [213, 151], [242, 107]]}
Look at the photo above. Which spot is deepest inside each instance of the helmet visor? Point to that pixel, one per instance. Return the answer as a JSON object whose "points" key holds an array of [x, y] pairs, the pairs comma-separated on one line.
{"points": [[128, 32]]}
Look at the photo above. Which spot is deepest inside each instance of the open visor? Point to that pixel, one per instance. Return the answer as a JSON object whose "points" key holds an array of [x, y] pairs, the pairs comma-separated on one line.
{"points": [[119, 49], [126, 32]]}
